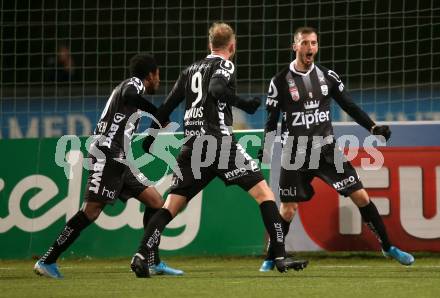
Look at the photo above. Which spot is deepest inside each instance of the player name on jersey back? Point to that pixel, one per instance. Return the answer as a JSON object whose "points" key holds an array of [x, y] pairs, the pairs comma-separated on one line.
{"points": [[205, 114]]}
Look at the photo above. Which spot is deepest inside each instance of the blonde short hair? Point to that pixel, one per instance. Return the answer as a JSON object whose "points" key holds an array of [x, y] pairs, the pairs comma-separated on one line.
{"points": [[220, 35]]}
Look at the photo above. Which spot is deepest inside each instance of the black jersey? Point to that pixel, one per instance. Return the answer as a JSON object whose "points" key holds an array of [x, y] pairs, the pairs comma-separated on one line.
{"points": [[204, 114], [116, 125], [303, 100]]}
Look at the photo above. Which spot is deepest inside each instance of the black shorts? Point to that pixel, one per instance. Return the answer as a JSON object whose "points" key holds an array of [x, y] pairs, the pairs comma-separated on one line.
{"points": [[111, 179], [193, 179], [295, 185]]}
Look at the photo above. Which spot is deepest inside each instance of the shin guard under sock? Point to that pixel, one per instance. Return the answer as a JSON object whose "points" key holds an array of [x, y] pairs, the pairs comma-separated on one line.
{"points": [[286, 227], [151, 239], [71, 231], [273, 223], [148, 214], [374, 221]]}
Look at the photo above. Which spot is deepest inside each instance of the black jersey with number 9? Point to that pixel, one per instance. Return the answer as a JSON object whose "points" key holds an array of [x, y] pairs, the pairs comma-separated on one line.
{"points": [[204, 114]]}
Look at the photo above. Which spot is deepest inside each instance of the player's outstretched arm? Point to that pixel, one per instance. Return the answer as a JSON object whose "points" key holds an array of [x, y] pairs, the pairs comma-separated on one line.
{"points": [[362, 118], [249, 106], [345, 101], [163, 113], [219, 89]]}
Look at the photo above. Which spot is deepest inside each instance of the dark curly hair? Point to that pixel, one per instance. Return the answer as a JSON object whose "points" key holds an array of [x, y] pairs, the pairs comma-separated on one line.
{"points": [[141, 65]]}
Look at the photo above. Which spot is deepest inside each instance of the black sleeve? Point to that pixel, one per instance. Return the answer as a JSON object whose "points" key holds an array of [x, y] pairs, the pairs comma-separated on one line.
{"points": [[173, 99], [219, 89], [133, 98], [345, 101], [220, 85]]}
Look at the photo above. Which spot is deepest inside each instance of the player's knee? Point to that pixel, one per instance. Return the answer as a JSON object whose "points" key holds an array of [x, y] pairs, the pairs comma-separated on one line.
{"points": [[151, 198], [263, 198], [92, 210], [156, 204], [360, 198], [288, 210], [92, 214], [175, 203], [261, 192]]}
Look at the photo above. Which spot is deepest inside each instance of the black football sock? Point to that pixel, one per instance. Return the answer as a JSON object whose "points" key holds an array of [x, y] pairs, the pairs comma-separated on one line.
{"points": [[71, 231], [151, 239], [274, 227], [374, 221], [148, 214], [286, 226]]}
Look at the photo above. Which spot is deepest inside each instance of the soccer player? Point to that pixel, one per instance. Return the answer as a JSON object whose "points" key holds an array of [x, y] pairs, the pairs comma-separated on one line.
{"points": [[302, 93], [110, 177], [208, 86]]}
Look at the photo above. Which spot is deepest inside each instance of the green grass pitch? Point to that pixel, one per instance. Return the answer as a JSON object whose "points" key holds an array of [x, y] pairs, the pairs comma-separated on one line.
{"points": [[328, 275]]}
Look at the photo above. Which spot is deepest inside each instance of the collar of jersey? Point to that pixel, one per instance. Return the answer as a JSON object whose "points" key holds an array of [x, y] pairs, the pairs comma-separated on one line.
{"points": [[215, 56], [292, 69]]}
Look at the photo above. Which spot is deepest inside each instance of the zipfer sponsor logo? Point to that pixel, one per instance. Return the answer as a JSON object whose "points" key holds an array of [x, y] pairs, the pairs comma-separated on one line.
{"points": [[317, 117], [313, 104]]}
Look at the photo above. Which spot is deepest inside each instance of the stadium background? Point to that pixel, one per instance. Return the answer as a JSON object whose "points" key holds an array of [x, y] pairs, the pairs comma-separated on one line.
{"points": [[387, 53]]}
